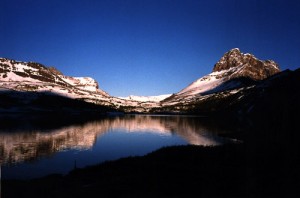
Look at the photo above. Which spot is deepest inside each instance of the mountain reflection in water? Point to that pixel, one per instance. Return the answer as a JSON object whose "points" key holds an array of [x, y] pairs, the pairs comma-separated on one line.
{"points": [[29, 143]]}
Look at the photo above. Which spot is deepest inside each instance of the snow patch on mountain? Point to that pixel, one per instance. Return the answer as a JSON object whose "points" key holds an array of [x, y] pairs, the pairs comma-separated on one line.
{"points": [[147, 98], [85, 83], [203, 84]]}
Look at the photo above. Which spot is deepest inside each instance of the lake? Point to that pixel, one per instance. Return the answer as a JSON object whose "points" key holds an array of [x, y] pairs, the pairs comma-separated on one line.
{"points": [[35, 147]]}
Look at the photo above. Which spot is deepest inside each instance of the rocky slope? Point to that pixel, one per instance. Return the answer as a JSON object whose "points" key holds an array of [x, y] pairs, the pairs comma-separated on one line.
{"points": [[272, 100]]}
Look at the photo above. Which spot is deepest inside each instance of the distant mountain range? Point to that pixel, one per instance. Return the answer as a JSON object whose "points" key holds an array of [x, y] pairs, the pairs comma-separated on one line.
{"points": [[236, 84], [147, 98]]}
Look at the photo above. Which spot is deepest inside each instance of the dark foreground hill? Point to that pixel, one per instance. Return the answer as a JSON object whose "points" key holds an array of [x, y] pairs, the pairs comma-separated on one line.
{"points": [[30, 102]]}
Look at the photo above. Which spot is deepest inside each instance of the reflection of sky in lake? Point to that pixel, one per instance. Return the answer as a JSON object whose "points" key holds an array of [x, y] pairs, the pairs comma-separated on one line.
{"points": [[33, 153]]}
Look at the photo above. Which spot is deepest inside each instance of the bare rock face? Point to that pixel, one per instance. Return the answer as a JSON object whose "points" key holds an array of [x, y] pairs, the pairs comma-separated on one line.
{"points": [[54, 71], [246, 65]]}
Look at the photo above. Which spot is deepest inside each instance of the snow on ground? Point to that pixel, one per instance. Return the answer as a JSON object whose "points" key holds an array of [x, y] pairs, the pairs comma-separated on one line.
{"points": [[203, 84], [209, 82], [17, 67], [11, 76], [85, 83]]}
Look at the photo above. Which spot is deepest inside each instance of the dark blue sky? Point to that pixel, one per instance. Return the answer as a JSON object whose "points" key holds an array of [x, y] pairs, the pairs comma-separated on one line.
{"points": [[147, 47]]}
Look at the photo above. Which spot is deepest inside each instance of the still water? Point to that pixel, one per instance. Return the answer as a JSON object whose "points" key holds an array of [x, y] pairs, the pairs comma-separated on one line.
{"points": [[30, 149]]}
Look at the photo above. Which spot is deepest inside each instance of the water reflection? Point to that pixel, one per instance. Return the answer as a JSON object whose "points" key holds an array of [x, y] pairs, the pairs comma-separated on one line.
{"points": [[19, 144]]}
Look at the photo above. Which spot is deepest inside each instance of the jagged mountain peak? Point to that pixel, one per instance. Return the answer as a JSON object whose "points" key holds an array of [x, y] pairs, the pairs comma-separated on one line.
{"points": [[248, 65], [230, 59]]}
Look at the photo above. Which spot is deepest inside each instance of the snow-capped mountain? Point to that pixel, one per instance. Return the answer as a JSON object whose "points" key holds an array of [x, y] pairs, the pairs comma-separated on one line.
{"points": [[31, 84], [22, 76], [33, 81], [24, 82], [147, 98], [227, 74]]}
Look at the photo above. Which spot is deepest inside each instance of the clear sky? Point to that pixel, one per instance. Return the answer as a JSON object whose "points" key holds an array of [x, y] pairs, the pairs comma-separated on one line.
{"points": [[147, 47]]}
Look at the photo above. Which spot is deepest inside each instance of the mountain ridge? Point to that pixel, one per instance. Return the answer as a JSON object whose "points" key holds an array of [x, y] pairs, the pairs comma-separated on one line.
{"points": [[18, 71], [234, 71]]}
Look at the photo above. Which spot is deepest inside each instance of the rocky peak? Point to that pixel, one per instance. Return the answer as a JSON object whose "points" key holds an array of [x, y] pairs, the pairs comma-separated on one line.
{"points": [[230, 59], [246, 64]]}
